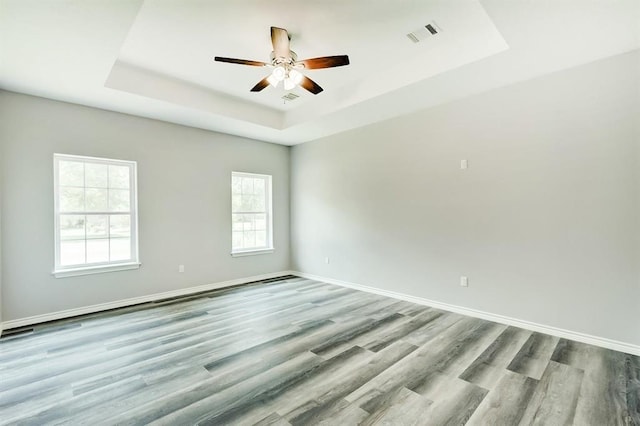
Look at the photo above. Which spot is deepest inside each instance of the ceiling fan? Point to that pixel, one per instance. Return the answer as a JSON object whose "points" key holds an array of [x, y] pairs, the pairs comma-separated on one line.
{"points": [[286, 66]]}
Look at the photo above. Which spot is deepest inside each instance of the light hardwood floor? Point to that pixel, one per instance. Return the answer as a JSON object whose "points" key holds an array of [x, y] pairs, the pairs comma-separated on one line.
{"points": [[295, 351]]}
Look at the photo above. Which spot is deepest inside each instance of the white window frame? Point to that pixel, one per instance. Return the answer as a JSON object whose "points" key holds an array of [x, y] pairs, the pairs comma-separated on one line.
{"points": [[268, 211], [61, 271]]}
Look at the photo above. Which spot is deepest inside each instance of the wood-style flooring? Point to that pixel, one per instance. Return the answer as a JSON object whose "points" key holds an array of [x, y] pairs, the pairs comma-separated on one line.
{"points": [[296, 351]]}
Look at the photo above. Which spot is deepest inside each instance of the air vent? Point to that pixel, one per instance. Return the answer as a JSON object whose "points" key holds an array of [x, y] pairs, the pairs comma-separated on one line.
{"points": [[424, 33], [290, 97]]}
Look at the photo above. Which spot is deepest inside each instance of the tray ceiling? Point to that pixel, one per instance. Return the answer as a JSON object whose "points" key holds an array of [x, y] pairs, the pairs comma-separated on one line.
{"points": [[154, 58]]}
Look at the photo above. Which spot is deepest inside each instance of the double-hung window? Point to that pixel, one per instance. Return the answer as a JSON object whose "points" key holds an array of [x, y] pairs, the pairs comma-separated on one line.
{"points": [[95, 215], [252, 230]]}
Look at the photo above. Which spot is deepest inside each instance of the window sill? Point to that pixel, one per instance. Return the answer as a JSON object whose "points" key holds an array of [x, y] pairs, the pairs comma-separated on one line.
{"points": [[95, 270], [251, 252]]}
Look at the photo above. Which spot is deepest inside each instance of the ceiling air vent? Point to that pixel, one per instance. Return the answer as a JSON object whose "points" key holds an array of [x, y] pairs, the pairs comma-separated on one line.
{"points": [[423, 33], [290, 97]]}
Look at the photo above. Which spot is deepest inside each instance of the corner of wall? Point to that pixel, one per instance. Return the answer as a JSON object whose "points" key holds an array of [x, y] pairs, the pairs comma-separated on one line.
{"points": [[291, 250]]}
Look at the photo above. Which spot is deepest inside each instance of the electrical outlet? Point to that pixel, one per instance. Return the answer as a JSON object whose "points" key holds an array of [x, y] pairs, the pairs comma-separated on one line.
{"points": [[464, 164], [326, 260], [180, 268], [464, 282]]}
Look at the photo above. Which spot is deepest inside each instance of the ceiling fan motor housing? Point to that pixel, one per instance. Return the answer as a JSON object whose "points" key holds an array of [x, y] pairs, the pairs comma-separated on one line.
{"points": [[291, 60]]}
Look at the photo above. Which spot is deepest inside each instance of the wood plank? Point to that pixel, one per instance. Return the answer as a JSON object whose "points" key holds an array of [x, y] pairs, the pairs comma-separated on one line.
{"points": [[555, 397], [534, 356], [490, 366], [506, 403]]}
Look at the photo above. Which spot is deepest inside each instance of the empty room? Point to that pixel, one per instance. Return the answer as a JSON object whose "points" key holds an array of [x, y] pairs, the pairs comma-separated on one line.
{"points": [[357, 212]]}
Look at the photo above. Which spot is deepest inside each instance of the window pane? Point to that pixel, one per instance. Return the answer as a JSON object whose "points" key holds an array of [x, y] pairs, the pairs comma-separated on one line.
{"points": [[70, 173], [97, 226], [247, 222], [95, 175], [95, 199], [249, 239], [120, 225], [261, 238], [245, 205], [247, 186], [97, 251], [252, 203], [119, 177], [71, 199], [237, 222], [118, 200], [236, 203], [72, 252], [237, 240], [258, 205], [71, 227], [120, 249], [236, 185], [258, 187], [261, 222]]}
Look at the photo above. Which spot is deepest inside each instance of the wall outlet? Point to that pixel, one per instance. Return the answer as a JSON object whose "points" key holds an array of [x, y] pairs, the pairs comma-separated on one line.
{"points": [[464, 282], [180, 268], [464, 164], [326, 260]]}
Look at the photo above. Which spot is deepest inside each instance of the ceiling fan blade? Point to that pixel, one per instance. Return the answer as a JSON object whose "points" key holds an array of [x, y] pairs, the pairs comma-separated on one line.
{"points": [[261, 85], [240, 61], [325, 62], [280, 42], [310, 85]]}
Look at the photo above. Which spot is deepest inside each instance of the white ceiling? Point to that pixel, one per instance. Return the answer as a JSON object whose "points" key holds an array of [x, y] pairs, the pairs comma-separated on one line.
{"points": [[154, 58]]}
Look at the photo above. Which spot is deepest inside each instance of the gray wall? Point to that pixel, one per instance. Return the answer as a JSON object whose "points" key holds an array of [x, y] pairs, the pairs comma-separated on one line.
{"points": [[184, 177], [545, 222]]}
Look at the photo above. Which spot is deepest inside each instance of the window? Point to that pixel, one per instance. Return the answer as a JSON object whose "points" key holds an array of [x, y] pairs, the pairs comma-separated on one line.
{"points": [[251, 214], [95, 215]]}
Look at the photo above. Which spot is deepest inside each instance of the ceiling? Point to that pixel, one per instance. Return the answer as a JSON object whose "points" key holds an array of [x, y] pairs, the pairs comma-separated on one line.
{"points": [[154, 58]]}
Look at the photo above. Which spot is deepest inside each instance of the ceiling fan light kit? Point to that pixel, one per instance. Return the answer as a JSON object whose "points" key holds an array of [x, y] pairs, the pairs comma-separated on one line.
{"points": [[286, 66], [293, 79], [276, 76]]}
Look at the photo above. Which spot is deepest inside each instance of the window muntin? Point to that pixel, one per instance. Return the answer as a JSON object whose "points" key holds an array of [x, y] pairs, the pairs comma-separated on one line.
{"points": [[251, 212], [95, 212]]}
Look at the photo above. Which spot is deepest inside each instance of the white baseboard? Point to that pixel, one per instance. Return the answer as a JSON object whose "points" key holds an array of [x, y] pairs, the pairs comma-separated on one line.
{"points": [[22, 322], [554, 331]]}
